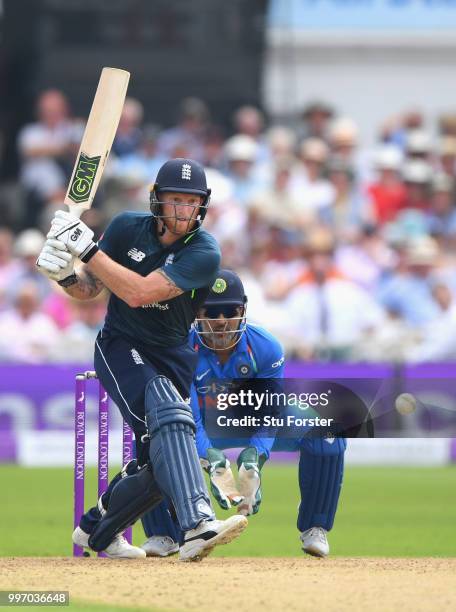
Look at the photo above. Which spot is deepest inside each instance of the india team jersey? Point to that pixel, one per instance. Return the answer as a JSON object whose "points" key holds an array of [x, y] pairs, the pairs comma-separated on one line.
{"points": [[257, 355], [191, 263]]}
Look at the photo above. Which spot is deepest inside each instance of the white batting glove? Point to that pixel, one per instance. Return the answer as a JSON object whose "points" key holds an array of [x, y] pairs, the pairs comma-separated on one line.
{"points": [[55, 261], [74, 234]]}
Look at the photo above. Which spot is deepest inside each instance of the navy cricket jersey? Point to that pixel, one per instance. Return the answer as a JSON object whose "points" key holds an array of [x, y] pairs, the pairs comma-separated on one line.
{"points": [[191, 263]]}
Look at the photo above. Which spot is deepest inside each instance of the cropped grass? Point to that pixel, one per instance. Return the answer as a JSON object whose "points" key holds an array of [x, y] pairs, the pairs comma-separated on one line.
{"points": [[393, 512]]}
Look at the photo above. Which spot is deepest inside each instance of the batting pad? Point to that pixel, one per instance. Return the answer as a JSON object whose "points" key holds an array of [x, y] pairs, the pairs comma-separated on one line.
{"points": [[173, 453]]}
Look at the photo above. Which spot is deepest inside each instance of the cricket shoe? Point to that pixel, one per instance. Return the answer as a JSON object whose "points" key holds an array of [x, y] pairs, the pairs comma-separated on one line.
{"points": [[118, 549], [160, 546], [315, 542], [199, 542]]}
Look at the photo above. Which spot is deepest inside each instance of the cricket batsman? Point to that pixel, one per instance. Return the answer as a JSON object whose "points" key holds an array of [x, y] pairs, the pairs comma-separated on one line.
{"points": [[230, 348], [158, 268]]}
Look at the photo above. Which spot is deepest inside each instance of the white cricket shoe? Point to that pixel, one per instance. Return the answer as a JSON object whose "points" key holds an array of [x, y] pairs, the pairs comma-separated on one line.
{"points": [[121, 549], [118, 549], [80, 538], [199, 542], [160, 546], [315, 542]]}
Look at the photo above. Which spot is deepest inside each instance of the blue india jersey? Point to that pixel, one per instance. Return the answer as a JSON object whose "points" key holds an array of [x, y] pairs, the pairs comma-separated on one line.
{"points": [[257, 355]]}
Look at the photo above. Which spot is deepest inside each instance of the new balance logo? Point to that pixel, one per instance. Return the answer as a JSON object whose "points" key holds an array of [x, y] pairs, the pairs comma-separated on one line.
{"points": [[186, 171], [136, 357], [136, 255]]}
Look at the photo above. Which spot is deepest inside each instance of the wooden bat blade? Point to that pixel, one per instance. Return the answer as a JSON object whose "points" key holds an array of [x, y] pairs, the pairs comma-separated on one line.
{"points": [[97, 140]]}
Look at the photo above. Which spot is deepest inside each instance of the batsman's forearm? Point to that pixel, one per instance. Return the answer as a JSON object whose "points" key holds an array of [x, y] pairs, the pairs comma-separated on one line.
{"points": [[132, 288], [87, 287]]}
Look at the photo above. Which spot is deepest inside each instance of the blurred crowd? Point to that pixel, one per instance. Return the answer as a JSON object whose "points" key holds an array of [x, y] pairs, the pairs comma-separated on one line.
{"points": [[347, 253]]}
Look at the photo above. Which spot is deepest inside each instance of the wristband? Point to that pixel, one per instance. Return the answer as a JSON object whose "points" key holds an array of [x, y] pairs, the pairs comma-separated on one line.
{"points": [[68, 281], [90, 251]]}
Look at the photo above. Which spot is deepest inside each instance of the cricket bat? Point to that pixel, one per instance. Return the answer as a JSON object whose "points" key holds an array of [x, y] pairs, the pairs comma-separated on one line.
{"points": [[97, 140]]}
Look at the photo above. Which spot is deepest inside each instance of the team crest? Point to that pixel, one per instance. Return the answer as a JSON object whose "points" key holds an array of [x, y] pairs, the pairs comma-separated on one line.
{"points": [[244, 369], [186, 172], [219, 286]]}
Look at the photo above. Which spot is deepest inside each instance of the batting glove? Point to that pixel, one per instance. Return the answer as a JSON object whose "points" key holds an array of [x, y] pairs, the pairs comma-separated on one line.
{"points": [[74, 234], [249, 465], [221, 479], [55, 261]]}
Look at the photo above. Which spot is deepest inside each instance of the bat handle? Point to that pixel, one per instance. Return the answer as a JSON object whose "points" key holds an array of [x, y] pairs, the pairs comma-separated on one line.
{"points": [[76, 210]]}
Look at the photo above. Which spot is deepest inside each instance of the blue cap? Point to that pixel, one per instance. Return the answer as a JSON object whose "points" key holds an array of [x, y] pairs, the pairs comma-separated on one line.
{"points": [[226, 289]]}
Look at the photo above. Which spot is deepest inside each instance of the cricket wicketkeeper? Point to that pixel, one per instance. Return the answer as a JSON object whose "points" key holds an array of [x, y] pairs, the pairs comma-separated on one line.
{"points": [[230, 348]]}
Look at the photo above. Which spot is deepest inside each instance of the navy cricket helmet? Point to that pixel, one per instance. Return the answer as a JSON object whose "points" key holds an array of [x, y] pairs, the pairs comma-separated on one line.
{"points": [[222, 318], [227, 289], [180, 175]]}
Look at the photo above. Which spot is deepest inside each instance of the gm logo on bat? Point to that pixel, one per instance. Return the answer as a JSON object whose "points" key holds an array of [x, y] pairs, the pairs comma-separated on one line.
{"points": [[82, 182]]}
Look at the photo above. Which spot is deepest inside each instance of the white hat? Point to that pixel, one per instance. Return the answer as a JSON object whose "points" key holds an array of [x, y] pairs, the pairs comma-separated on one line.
{"points": [[344, 131], [422, 251], [416, 171], [388, 157], [314, 149], [418, 141], [29, 242], [241, 148]]}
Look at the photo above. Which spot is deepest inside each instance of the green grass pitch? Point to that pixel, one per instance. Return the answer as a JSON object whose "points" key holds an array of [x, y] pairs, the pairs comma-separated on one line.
{"points": [[395, 512]]}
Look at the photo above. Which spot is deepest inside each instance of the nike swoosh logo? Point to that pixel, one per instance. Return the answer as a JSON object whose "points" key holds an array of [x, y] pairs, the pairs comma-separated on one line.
{"points": [[203, 374]]}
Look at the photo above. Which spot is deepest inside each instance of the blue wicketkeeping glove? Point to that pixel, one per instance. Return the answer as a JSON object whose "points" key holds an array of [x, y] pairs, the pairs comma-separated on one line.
{"points": [[223, 486], [249, 465]]}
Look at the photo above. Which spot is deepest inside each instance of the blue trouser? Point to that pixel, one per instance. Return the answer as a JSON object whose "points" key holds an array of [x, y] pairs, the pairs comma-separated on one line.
{"points": [[320, 473]]}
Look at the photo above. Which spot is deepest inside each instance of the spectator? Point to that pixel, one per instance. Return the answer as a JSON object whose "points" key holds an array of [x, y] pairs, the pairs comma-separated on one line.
{"points": [[249, 121], [26, 334], [143, 163], [308, 185], [438, 338], [27, 248], [328, 315], [241, 153], [129, 132], [418, 145], [189, 134], [316, 117], [388, 193], [47, 149], [408, 292], [447, 160], [367, 259], [349, 210], [277, 206], [9, 265], [442, 215], [88, 317], [417, 175]]}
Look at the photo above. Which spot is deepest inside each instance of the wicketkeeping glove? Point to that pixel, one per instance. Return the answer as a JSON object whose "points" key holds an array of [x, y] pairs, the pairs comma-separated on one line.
{"points": [[221, 478], [74, 234], [55, 261], [249, 465]]}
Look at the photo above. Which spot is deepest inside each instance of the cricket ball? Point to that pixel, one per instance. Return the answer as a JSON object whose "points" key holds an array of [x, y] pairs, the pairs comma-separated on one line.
{"points": [[405, 403]]}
